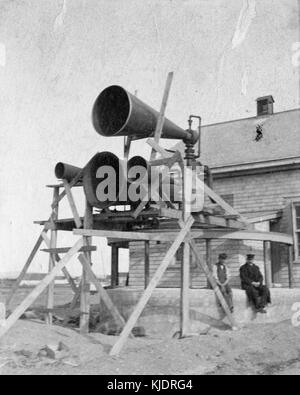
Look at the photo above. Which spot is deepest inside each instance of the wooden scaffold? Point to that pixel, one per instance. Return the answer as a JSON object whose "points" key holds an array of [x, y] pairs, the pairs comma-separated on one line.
{"points": [[230, 225]]}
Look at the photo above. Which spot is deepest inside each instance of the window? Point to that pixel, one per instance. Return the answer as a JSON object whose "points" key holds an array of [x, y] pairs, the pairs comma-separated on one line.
{"points": [[262, 107], [265, 105], [297, 229]]}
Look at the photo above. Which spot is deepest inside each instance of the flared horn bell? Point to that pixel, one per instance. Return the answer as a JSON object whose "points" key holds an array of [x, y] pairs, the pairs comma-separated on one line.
{"points": [[117, 112], [169, 185], [104, 180], [64, 171]]}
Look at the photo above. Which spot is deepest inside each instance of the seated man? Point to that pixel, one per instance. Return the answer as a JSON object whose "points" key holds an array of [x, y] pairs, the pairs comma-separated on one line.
{"points": [[222, 277], [252, 283]]}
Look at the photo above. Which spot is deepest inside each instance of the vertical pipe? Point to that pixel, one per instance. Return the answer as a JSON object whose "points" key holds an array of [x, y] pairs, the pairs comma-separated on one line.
{"points": [[53, 244], [147, 263], [85, 284], [114, 266], [268, 264]]}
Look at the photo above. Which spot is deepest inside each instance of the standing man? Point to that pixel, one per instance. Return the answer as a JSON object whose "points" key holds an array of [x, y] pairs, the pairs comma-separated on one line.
{"points": [[252, 282], [222, 277]]}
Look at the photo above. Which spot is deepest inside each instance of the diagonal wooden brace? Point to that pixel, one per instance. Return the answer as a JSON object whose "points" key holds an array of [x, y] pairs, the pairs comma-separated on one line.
{"points": [[152, 285], [72, 204], [31, 298], [102, 292], [64, 270]]}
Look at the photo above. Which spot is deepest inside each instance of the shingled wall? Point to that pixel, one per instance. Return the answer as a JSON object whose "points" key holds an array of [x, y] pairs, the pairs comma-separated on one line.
{"points": [[256, 194]]}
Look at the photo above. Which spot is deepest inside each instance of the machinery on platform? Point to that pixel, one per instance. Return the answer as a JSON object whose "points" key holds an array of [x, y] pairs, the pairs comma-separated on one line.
{"points": [[117, 112]]}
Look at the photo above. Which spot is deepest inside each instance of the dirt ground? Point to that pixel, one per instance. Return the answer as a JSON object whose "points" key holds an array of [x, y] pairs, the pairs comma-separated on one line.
{"points": [[257, 350]]}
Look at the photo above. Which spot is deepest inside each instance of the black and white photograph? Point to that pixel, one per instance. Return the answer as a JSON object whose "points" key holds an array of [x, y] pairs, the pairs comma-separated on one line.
{"points": [[150, 190]]}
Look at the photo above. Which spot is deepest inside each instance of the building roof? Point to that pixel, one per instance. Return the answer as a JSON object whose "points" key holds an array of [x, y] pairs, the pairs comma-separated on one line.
{"points": [[233, 143]]}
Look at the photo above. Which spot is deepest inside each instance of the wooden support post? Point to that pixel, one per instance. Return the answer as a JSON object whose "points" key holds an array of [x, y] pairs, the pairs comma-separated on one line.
{"points": [[185, 290], [114, 266], [209, 258], [185, 266], [153, 283], [31, 298], [147, 263], [158, 131], [161, 118], [291, 267], [85, 284], [268, 264], [53, 244]]}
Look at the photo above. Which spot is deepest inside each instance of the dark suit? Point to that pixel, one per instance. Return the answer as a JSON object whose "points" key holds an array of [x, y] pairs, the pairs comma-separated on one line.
{"points": [[259, 296]]}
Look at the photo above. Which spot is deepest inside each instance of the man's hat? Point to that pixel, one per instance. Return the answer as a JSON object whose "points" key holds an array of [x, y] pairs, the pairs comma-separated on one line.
{"points": [[223, 256], [250, 256]]}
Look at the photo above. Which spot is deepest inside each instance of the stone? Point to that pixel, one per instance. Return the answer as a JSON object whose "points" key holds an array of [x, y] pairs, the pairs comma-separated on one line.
{"points": [[139, 331], [56, 350], [29, 315]]}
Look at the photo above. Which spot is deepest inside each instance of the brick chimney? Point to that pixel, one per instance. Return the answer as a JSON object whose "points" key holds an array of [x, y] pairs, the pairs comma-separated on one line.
{"points": [[265, 106]]}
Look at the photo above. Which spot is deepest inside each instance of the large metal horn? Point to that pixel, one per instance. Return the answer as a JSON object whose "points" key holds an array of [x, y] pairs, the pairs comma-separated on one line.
{"points": [[105, 168], [63, 171], [117, 112], [172, 183]]}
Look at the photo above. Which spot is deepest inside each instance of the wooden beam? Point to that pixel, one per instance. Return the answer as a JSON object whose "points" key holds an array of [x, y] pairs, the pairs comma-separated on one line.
{"points": [[147, 263], [195, 234], [268, 264], [212, 194], [31, 298], [71, 185], [159, 149], [185, 292], [23, 272], [64, 269], [170, 162], [72, 204], [185, 265], [64, 250], [264, 218], [243, 235], [158, 131], [53, 243], [153, 283], [121, 235], [170, 213], [102, 292], [161, 117], [85, 284]]}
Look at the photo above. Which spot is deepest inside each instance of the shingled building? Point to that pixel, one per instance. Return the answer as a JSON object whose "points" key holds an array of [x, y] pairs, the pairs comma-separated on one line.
{"points": [[256, 168]]}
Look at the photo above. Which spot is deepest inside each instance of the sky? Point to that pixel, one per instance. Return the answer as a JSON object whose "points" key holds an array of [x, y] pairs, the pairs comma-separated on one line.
{"points": [[56, 56]]}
